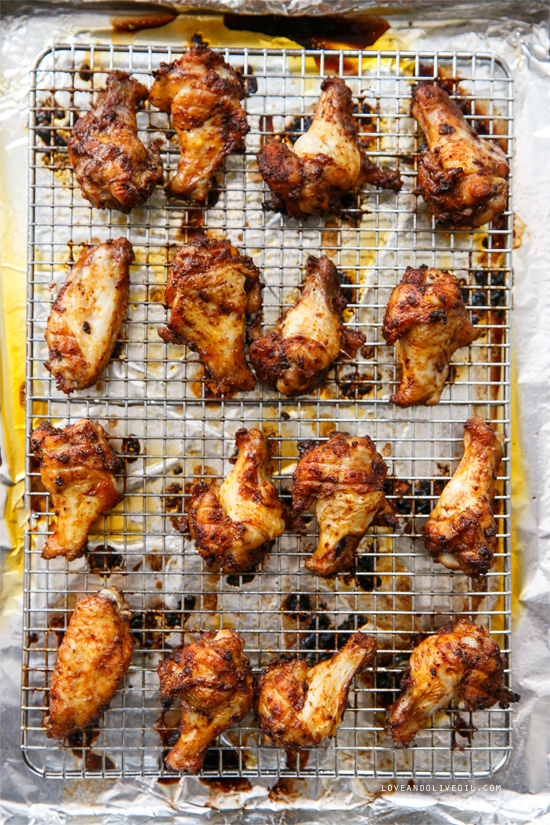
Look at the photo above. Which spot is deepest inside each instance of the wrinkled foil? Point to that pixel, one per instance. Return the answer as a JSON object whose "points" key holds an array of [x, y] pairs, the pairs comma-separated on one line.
{"points": [[520, 793]]}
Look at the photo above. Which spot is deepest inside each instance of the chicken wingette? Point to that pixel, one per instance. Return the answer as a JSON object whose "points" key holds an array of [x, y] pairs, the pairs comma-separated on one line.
{"points": [[427, 321], [112, 166], [202, 93], [461, 531], [324, 163], [462, 177], [87, 315], [300, 707], [91, 662], [213, 678], [211, 291], [459, 664], [235, 522], [296, 356], [346, 476], [77, 468]]}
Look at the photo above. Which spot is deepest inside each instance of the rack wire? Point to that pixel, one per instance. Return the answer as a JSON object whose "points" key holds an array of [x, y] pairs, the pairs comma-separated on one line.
{"points": [[153, 404]]}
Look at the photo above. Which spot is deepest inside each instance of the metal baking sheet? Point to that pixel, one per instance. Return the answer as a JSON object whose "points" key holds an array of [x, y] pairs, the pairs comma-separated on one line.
{"points": [[151, 400]]}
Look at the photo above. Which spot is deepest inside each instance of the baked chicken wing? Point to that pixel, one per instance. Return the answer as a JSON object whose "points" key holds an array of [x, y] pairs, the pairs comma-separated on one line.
{"points": [[461, 532], [77, 468], [460, 663], [213, 677], [112, 166], [91, 662], [324, 163], [346, 475], [462, 177], [87, 315], [202, 93], [298, 706], [427, 321], [211, 290], [234, 522], [295, 357]]}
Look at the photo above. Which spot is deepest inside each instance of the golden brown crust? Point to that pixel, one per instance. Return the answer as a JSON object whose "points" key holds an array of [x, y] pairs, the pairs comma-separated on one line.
{"points": [[459, 663], [213, 677], [112, 166], [211, 290], [427, 321], [299, 706], [234, 523], [462, 177], [91, 662], [461, 531], [296, 356], [77, 467], [326, 162], [87, 315], [202, 93]]}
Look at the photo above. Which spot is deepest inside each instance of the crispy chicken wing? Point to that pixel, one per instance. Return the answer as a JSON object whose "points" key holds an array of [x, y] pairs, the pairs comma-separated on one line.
{"points": [[295, 357], [77, 468], [461, 532], [324, 163], [427, 321], [211, 290], [462, 177], [460, 662], [299, 706], [92, 659], [346, 475], [112, 166], [214, 679], [87, 315], [202, 93], [234, 522]]}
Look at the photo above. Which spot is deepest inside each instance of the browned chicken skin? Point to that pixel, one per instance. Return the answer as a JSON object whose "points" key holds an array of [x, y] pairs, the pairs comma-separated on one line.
{"points": [[346, 475], [461, 532], [299, 707], [462, 177], [214, 679], [295, 357], [87, 315], [459, 663], [91, 662], [235, 522], [211, 290], [77, 468], [427, 321], [202, 93], [324, 163], [112, 166]]}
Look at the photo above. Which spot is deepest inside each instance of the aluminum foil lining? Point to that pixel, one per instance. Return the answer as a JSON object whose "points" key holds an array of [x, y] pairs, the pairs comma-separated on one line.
{"points": [[520, 793]]}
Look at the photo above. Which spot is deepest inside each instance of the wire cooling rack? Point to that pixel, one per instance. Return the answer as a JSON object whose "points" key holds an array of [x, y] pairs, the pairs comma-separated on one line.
{"points": [[152, 402]]}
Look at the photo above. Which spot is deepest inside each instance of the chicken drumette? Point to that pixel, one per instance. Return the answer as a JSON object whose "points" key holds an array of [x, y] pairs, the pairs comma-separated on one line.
{"points": [[324, 163], [211, 290], [234, 522], [461, 532], [298, 706], [459, 663], [112, 166], [295, 357], [214, 680], [202, 93], [92, 659], [87, 315], [77, 468], [346, 475], [427, 321], [462, 177]]}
